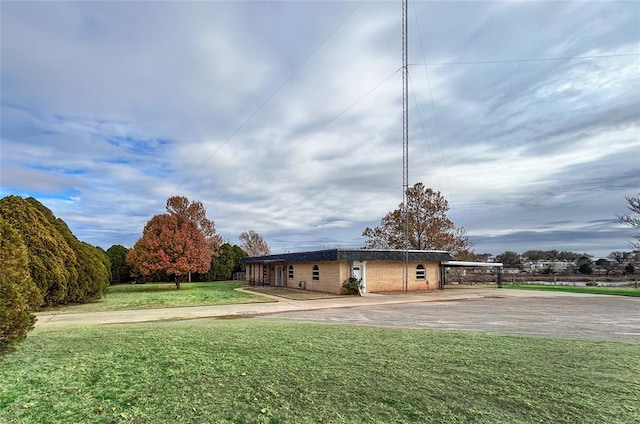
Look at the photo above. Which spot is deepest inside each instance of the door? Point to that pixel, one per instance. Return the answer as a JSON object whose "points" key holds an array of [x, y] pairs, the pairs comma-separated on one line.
{"points": [[279, 275], [358, 271]]}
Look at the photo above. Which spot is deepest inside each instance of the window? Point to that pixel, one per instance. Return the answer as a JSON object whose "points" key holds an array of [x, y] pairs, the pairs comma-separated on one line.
{"points": [[420, 272], [290, 271], [316, 273], [264, 272]]}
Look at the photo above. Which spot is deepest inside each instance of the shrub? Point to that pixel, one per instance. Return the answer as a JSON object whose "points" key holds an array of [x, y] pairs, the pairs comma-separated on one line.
{"points": [[352, 285], [18, 294]]}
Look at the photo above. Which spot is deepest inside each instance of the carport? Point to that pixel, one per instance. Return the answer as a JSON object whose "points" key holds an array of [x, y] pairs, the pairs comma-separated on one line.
{"points": [[463, 264]]}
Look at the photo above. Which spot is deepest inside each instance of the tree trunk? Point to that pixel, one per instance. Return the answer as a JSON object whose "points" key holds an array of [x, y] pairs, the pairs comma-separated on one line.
{"points": [[177, 280]]}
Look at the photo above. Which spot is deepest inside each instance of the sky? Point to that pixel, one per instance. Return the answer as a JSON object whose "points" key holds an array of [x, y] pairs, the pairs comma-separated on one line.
{"points": [[285, 117]]}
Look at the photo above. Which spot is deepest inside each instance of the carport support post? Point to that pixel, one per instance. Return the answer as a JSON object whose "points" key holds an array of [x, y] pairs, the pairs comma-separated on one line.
{"points": [[499, 272]]}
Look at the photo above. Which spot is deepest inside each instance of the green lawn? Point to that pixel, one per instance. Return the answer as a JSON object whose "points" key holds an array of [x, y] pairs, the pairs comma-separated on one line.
{"points": [[294, 294], [255, 371], [617, 291], [165, 295]]}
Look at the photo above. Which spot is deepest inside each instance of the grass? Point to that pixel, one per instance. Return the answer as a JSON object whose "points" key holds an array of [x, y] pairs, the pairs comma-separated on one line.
{"points": [[165, 295], [617, 291], [252, 371], [293, 294]]}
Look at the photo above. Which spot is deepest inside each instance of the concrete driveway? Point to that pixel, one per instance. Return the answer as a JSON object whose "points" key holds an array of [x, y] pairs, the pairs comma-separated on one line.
{"points": [[547, 314], [540, 313]]}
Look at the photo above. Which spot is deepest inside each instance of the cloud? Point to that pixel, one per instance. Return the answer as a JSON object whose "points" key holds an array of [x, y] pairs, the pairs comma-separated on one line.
{"points": [[285, 118]]}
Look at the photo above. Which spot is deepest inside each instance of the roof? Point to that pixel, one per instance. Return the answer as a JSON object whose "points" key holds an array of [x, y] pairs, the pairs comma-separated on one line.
{"points": [[463, 264], [333, 255]]}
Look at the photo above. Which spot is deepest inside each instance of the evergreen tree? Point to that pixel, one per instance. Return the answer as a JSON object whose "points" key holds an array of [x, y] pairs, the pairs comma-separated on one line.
{"points": [[89, 275], [223, 266], [51, 260], [120, 269], [18, 293], [63, 268]]}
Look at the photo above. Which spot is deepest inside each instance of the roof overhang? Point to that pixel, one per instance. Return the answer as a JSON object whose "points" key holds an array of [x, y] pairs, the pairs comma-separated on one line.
{"points": [[463, 264]]}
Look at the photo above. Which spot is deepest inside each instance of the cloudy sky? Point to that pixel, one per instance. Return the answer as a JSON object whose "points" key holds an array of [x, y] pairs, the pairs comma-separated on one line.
{"points": [[285, 117]]}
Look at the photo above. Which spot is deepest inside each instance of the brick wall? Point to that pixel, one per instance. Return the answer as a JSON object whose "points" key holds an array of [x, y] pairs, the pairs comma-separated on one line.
{"points": [[332, 275], [384, 276], [381, 276]]}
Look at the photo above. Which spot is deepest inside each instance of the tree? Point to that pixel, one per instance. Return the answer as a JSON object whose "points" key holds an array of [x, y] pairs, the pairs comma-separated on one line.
{"points": [[509, 259], [51, 260], [633, 218], [18, 293], [584, 265], [429, 226], [196, 213], [120, 269], [223, 266], [607, 265], [534, 255], [617, 256], [569, 256], [91, 274], [64, 268], [254, 244], [173, 244]]}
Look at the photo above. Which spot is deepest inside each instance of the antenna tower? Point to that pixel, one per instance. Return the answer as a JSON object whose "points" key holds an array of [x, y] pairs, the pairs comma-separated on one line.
{"points": [[405, 145]]}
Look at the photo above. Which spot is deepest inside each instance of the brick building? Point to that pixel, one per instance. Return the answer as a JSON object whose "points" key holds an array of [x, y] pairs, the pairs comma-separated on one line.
{"points": [[327, 270]]}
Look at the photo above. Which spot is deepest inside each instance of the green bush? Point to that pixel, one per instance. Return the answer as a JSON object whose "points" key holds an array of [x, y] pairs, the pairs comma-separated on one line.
{"points": [[352, 285], [18, 294]]}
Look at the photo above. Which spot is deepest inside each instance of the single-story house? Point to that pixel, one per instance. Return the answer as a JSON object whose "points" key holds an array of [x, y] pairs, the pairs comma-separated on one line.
{"points": [[327, 270]]}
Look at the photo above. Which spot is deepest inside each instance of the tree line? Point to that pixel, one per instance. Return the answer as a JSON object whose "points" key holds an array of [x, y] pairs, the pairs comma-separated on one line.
{"points": [[580, 263], [183, 243], [43, 264]]}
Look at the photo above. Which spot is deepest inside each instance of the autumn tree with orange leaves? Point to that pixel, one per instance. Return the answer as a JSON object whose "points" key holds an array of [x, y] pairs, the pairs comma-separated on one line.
{"points": [[429, 226], [173, 244], [196, 213]]}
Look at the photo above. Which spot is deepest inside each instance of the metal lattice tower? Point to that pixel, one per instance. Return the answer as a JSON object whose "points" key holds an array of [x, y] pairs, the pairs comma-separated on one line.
{"points": [[405, 144]]}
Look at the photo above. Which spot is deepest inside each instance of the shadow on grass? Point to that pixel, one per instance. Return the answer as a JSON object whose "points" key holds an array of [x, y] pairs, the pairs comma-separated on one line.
{"points": [[147, 288]]}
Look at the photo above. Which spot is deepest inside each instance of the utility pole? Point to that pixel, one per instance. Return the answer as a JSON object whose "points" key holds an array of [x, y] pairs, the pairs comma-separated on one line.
{"points": [[405, 145]]}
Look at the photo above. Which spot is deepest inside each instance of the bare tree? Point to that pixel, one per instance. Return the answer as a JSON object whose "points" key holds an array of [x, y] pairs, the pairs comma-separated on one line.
{"points": [[633, 218], [617, 256], [254, 244]]}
